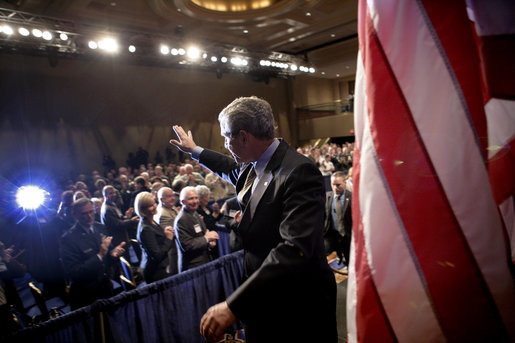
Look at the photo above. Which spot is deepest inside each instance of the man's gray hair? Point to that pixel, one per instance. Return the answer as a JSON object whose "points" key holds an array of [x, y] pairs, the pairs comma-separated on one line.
{"points": [[185, 190], [251, 114], [161, 191]]}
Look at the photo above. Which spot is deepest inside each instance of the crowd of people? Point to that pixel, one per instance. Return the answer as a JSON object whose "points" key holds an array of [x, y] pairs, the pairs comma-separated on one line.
{"points": [[162, 219]]}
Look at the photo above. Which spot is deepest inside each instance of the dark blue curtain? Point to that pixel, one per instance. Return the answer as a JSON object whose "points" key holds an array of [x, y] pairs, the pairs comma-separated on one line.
{"points": [[164, 311]]}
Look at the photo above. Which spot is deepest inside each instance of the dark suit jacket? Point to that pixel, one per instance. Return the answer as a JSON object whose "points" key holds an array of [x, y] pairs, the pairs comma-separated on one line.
{"points": [[158, 252], [117, 226], [289, 292], [89, 276], [346, 210], [194, 249], [335, 240]]}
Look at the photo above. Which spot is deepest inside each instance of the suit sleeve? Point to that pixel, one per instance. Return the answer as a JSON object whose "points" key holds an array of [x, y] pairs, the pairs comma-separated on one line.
{"points": [[154, 250], [111, 220], [223, 166]]}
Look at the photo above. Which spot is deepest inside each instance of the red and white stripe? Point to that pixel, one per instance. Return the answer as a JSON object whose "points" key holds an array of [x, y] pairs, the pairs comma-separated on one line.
{"points": [[428, 253]]}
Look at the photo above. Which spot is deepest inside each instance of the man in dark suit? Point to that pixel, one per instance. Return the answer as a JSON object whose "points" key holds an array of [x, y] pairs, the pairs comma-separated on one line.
{"points": [[338, 218], [288, 293], [121, 227], [87, 258], [196, 242]]}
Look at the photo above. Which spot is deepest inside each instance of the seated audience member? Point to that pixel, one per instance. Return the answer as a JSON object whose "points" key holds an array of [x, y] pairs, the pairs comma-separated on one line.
{"points": [[121, 227], [338, 218], [87, 257], [196, 242], [158, 260], [231, 219]]}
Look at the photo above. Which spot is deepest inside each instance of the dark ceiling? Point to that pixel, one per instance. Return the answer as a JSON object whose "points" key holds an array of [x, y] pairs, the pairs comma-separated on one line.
{"points": [[322, 31]]}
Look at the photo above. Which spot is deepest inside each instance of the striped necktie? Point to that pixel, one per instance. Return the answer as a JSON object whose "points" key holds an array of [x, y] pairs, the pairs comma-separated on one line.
{"points": [[246, 191]]}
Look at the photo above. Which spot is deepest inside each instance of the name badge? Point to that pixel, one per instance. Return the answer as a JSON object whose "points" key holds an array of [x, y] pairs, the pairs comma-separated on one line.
{"points": [[197, 228]]}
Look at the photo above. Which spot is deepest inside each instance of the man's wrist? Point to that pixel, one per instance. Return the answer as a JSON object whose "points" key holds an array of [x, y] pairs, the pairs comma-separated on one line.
{"points": [[195, 153]]}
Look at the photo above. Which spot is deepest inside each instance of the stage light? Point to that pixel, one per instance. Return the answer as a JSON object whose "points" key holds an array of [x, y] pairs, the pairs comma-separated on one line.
{"points": [[63, 36], [181, 52], [204, 55], [7, 30], [214, 59], [311, 70], [223, 59], [108, 44], [174, 52], [165, 50], [92, 45], [30, 197], [193, 52], [132, 48], [23, 31], [37, 33], [294, 67], [237, 61], [47, 35]]}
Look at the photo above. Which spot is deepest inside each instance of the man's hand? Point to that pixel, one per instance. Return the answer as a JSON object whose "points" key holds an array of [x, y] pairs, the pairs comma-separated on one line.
{"points": [[129, 212], [118, 250], [237, 217], [211, 236], [169, 232], [106, 241], [185, 142], [215, 321]]}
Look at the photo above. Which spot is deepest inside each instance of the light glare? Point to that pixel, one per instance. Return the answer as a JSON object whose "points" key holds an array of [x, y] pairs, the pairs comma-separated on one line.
{"points": [[92, 45], [7, 30], [193, 52], [165, 50], [23, 31], [63, 36], [37, 33], [30, 197], [47, 35], [132, 48]]}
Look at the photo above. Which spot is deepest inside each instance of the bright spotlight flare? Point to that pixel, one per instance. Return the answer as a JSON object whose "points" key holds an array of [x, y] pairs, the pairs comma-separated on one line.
{"points": [[30, 197]]}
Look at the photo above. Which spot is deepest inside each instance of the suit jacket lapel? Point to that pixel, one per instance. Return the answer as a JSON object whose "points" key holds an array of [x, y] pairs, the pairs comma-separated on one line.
{"points": [[265, 181]]}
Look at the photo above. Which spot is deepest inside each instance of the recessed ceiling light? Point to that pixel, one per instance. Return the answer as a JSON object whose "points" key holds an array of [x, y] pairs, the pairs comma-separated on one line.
{"points": [[308, 14], [323, 73], [337, 75], [245, 31], [333, 35]]}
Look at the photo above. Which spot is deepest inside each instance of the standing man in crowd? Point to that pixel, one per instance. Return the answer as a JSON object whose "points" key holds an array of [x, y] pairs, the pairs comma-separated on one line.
{"points": [[166, 214], [338, 218], [195, 240], [121, 227], [289, 292], [87, 258]]}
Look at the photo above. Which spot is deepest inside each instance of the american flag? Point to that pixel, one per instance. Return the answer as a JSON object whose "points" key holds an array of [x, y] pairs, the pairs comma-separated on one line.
{"points": [[434, 173]]}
